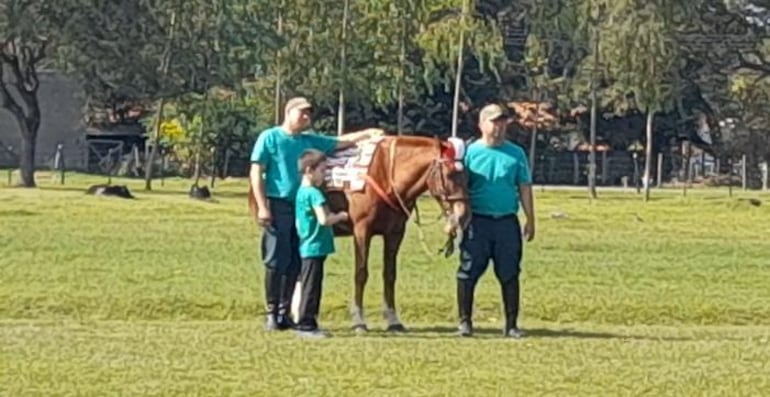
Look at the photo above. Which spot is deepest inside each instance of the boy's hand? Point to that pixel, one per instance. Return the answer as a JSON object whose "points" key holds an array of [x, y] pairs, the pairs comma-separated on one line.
{"points": [[343, 215]]}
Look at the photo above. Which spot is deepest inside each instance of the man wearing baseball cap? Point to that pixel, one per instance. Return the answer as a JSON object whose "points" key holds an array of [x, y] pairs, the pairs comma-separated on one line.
{"points": [[275, 179], [498, 179]]}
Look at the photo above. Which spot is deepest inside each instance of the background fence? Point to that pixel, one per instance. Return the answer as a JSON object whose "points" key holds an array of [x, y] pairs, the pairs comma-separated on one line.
{"points": [[613, 168]]}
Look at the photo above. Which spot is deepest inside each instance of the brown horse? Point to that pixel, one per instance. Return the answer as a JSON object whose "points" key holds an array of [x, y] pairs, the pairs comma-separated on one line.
{"points": [[401, 170]]}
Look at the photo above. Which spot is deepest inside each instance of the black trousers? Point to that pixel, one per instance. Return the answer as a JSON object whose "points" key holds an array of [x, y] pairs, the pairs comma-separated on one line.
{"points": [[311, 278], [280, 255], [495, 239], [490, 239]]}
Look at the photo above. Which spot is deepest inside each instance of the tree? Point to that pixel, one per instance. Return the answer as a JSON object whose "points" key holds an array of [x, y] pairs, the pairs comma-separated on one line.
{"points": [[156, 50], [641, 52], [24, 35]]}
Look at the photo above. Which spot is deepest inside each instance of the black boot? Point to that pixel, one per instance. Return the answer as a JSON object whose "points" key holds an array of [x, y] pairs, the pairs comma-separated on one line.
{"points": [[288, 282], [272, 298], [465, 289], [510, 291]]}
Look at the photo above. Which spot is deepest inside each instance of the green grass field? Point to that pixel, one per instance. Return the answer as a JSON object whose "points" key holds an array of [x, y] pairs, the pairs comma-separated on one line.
{"points": [[163, 296]]}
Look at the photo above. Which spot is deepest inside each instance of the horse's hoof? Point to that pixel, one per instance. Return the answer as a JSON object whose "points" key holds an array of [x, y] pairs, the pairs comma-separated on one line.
{"points": [[360, 329], [396, 328]]}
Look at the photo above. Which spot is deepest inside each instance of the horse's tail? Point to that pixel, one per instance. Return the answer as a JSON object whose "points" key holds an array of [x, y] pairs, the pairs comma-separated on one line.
{"points": [[252, 203]]}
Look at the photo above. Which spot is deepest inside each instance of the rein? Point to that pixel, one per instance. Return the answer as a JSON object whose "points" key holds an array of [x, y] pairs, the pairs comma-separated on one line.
{"points": [[435, 165]]}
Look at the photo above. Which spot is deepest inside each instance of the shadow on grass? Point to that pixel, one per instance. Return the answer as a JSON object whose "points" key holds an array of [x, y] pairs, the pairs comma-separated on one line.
{"points": [[442, 332], [154, 192]]}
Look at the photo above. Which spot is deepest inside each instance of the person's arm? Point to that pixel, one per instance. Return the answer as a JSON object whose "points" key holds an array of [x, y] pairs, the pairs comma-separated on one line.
{"points": [[527, 201], [260, 160], [326, 218], [358, 136], [526, 197], [329, 144], [318, 202], [258, 184]]}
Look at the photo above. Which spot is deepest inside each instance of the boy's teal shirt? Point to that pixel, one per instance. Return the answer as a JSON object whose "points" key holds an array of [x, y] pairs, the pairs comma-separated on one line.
{"points": [[315, 239]]}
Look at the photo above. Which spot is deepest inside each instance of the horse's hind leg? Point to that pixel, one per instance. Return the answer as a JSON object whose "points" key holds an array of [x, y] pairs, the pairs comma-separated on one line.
{"points": [[362, 239], [391, 244]]}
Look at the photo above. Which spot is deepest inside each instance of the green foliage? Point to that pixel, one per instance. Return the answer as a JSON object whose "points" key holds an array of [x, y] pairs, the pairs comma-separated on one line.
{"points": [[196, 124], [119, 51]]}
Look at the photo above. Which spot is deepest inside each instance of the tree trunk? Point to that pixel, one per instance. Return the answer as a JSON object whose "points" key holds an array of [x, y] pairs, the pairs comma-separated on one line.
{"points": [[21, 61], [28, 124], [343, 69], [459, 71], [155, 143], [401, 74], [648, 155], [27, 158], [278, 75], [533, 138], [592, 152]]}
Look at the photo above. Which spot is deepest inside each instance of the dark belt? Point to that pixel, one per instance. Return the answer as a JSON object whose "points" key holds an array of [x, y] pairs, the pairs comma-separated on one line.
{"points": [[280, 205], [494, 217]]}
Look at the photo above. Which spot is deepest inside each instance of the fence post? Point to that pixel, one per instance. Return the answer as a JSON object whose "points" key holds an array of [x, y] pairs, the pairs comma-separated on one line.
{"points": [[137, 161], [764, 175], [576, 168], [10, 169], [604, 167], [743, 172], [58, 163], [660, 170], [226, 166], [213, 166], [163, 153], [730, 176], [636, 173]]}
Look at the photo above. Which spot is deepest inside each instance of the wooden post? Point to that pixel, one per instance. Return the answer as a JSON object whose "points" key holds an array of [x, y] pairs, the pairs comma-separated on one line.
{"points": [[59, 162], [576, 168], [137, 161], [10, 170], [111, 165], [604, 167], [743, 172], [636, 174], [226, 168], [730, 176], [718, 169], [660, 170], [163, 154], [764, 170], [213, 166]]}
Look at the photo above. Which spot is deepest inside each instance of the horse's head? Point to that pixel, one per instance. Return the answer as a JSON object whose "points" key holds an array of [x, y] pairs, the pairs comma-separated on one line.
{"points": [[448, 183]]}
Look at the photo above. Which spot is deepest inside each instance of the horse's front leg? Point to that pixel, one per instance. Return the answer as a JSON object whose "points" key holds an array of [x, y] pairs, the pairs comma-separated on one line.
{"points": [[362, 239], [391, 244]]}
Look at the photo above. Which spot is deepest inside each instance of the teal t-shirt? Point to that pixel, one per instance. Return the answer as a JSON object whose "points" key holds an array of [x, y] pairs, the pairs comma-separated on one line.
{"points": [[279, 153], [494, 174], [315, 239]]}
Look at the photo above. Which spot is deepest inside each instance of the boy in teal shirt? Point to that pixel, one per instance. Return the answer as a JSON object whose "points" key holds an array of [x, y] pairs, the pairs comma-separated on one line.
{"points": [[316, 237]]}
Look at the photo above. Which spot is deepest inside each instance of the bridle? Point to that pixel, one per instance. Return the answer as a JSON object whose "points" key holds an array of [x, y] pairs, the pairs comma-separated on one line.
{"points": [[445, 158], [437, 183]]}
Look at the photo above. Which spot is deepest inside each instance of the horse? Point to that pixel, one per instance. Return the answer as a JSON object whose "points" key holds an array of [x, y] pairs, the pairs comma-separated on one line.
{"points": [[399, 170]]}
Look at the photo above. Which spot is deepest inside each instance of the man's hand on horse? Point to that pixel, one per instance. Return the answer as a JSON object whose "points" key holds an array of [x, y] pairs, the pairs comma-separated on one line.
{"points": [[362, 135], [263, 217]]}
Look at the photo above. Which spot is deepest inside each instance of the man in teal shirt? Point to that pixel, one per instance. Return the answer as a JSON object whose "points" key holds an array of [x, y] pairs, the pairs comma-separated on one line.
{"points": [[275, 178], [498, 179]]}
